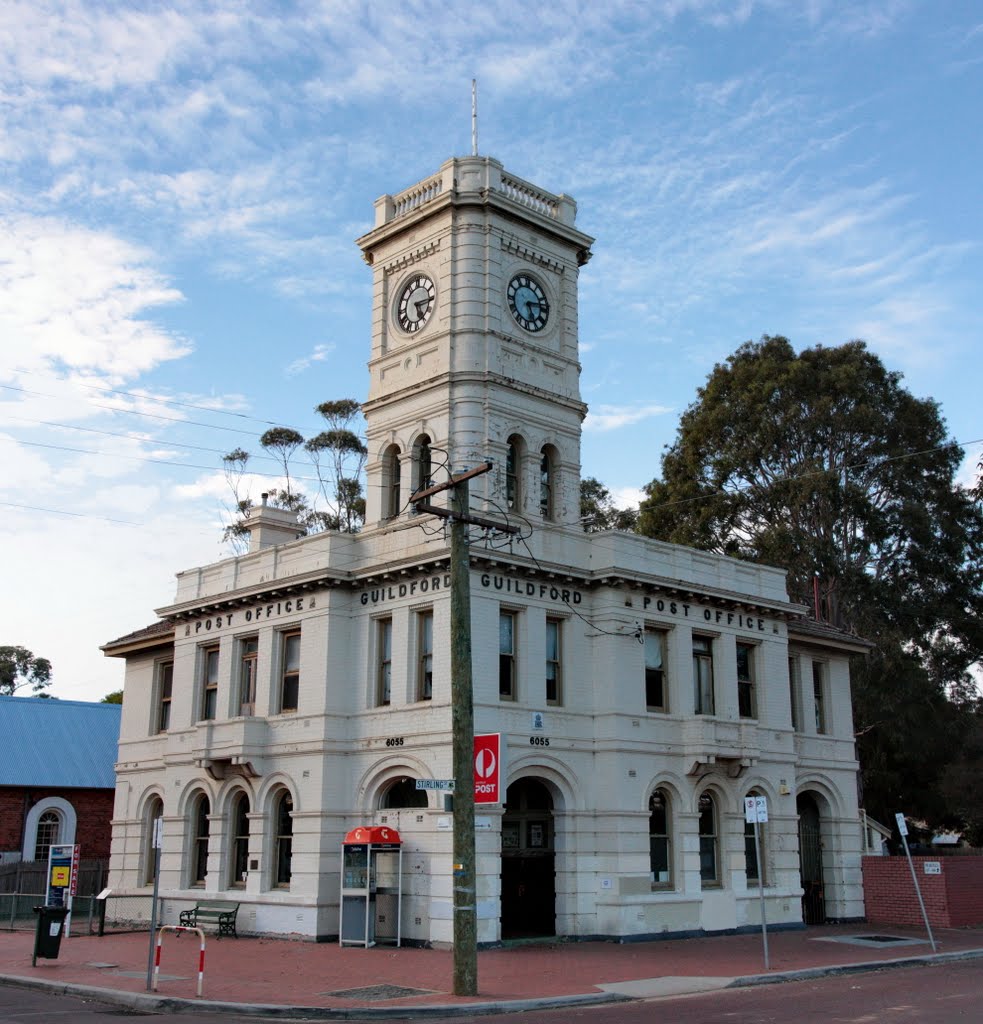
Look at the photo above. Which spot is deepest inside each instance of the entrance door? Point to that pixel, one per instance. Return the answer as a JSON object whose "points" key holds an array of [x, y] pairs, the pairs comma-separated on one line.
{"points": [[811, 861], [528, 870]]}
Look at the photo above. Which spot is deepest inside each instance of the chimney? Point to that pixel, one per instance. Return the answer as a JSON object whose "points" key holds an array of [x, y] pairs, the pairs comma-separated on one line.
{"points": [[268, 526]]}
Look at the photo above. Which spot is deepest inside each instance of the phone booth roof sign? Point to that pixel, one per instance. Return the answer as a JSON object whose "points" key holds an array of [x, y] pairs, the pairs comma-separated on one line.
{"points": [[377, 835]]}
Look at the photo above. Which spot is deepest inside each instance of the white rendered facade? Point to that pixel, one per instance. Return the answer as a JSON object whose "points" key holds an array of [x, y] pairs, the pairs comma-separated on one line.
{"points": [[298, 684]]}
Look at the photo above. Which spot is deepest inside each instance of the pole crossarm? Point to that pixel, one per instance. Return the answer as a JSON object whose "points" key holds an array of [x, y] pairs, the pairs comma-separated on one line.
{"points": [[468, 519], [418, 496]]}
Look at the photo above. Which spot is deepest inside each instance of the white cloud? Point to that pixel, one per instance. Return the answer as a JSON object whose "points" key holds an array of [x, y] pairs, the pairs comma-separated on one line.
{"points": [[611, 417], [318, 355], [74, 298]]}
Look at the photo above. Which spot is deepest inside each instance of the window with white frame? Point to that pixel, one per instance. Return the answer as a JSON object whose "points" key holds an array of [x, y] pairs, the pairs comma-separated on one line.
{"points": [[506, 655], [795, 703], [747, 703], [289, 671], [239, 861], [48, 834], [547, 484], [248, 661], [200, 827], [513, 473], [554, 647], [209, 683], [655, 670], [703, 702], [819, 696], [283, 839], [165, 687], [424, 669], [392, 481], [660, 840], [384, 662], [709, 841]]}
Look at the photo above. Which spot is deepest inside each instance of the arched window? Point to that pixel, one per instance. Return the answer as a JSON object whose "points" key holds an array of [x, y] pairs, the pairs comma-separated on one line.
{"points": [[752, 866], [48, 834], [513, 473], [424, 463], [155, 810], [403, 793], [547, 483], [199, 840], [391, 481], [709, 841], [660, 840], [283, 839], [240, 841]]}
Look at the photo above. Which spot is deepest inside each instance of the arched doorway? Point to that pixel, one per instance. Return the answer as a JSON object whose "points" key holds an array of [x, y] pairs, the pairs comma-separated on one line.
{"points": [[811, 860], [528, 870]]}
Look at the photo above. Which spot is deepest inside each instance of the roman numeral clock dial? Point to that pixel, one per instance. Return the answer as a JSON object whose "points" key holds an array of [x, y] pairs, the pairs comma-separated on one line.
{"points": [[415, 304], [528, 303]]}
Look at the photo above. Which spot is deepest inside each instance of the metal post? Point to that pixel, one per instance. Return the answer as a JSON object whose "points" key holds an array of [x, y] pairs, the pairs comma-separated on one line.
{"points": [[462, 727], [918, 891], [761, 889]]}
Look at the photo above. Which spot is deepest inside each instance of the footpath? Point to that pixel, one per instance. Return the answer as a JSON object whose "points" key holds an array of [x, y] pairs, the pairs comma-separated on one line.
{"points": [[280, 977]]}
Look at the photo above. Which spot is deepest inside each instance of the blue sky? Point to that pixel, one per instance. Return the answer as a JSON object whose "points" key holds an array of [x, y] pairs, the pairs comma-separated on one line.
{"points": [[181, 185]]}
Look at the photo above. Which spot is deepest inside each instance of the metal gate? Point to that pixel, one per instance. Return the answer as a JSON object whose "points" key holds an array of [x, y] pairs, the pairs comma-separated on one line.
{"points": [[811, 862]]}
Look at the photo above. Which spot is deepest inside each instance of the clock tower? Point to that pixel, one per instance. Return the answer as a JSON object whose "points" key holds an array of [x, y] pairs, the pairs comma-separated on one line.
{"points": [[474, 343]]}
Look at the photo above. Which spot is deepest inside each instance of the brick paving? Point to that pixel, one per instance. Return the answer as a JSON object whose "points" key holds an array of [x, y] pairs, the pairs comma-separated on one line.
{"points": [[281, 972]]}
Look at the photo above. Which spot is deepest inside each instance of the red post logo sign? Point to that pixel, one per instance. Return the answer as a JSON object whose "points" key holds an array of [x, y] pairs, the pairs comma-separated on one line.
{"points": [[488, 769]]}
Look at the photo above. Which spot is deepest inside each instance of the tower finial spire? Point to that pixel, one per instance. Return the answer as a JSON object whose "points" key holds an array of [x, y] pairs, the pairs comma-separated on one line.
{"points": [[474, 116]]}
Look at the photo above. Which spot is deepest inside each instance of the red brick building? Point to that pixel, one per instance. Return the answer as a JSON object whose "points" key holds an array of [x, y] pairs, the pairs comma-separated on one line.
{"points": [[57, 776]]}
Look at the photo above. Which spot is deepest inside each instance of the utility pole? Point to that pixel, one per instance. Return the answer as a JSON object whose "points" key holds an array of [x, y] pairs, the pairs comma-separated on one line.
{"points": [[462, 718]]}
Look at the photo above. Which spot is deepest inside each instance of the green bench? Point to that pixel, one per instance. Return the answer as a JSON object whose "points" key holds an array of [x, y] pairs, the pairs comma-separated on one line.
{"points": [[220, 913]]}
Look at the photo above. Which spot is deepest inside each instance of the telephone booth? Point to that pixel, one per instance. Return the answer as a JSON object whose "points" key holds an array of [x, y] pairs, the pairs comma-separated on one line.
{"points": [[371, 886]]}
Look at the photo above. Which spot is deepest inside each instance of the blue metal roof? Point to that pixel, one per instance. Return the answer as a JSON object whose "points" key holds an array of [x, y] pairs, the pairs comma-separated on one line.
{"points": [[67, 744]]}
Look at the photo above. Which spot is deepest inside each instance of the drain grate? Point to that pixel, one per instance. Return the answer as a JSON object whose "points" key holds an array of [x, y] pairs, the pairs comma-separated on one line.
{"points": [[883, 938], [374, 992]]}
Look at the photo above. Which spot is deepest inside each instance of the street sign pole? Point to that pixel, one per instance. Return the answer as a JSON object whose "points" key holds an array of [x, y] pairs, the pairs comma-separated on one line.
{"points": [[903, 829], [756, 810]]}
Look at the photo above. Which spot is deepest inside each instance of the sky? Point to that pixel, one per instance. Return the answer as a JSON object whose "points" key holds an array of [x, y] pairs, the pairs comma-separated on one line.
{"points": [[181, 185]]}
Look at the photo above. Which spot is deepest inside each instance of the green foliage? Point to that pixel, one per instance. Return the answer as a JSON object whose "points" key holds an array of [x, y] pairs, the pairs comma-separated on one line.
{"points": [[116, 697], [821, 462], [19, 667], [337, 456], [598, 511]]}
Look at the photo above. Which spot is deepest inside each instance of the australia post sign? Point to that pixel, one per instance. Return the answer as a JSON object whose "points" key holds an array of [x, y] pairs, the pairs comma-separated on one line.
{"points": [[488, 769]]}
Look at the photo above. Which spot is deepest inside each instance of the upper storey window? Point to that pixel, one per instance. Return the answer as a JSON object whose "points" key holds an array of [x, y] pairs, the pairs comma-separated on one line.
{"points": [[424, 463], [391, 482], [513, 473], [547, 483]]}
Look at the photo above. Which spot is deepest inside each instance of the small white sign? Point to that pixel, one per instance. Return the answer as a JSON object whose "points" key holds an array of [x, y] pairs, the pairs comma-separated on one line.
{"points": [[443, 824], [482, 824], [435, 784], [538, 721], [158, 833], [606, 883], [902, 824], [933, 867], [755, 809]]}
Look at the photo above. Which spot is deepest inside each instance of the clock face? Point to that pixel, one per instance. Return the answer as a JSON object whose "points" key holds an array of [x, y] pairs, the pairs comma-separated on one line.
{"points": [[416, 303], [528, 303]]}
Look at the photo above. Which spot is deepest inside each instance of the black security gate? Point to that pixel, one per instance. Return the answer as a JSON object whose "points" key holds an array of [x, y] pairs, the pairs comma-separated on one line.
{"points": [[811, 862]]}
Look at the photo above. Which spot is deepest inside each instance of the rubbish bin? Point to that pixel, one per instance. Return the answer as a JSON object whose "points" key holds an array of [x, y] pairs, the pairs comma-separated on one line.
{"points": [[47, 938]]}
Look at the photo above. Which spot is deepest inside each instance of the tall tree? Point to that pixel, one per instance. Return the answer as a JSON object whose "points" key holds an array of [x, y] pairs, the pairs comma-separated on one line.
{"points": [[824, 464], [20, 667], [598, 510], [337, 456]]}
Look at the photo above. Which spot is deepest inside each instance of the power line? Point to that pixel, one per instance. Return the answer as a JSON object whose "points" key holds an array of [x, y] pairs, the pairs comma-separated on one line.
{"points": [[77, 515]]}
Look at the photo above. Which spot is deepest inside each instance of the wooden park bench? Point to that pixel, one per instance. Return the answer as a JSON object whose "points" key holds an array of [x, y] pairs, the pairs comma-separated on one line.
{"points": [[220, 913]]}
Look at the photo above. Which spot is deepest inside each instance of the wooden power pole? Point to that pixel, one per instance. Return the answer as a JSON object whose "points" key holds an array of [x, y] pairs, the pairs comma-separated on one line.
{"points": [[462, 719]]}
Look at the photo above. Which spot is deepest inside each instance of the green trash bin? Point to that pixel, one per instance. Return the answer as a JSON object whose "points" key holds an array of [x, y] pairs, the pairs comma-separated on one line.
{"points": [[47, 938]]}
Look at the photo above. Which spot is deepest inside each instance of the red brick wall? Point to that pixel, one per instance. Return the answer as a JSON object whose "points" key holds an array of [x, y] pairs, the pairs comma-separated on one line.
{"points": [[953, 899], [93, 809]]}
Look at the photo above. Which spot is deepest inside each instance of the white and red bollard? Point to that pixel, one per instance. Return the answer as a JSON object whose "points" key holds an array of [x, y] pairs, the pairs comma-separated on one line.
{"points": [[201, 955]]}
